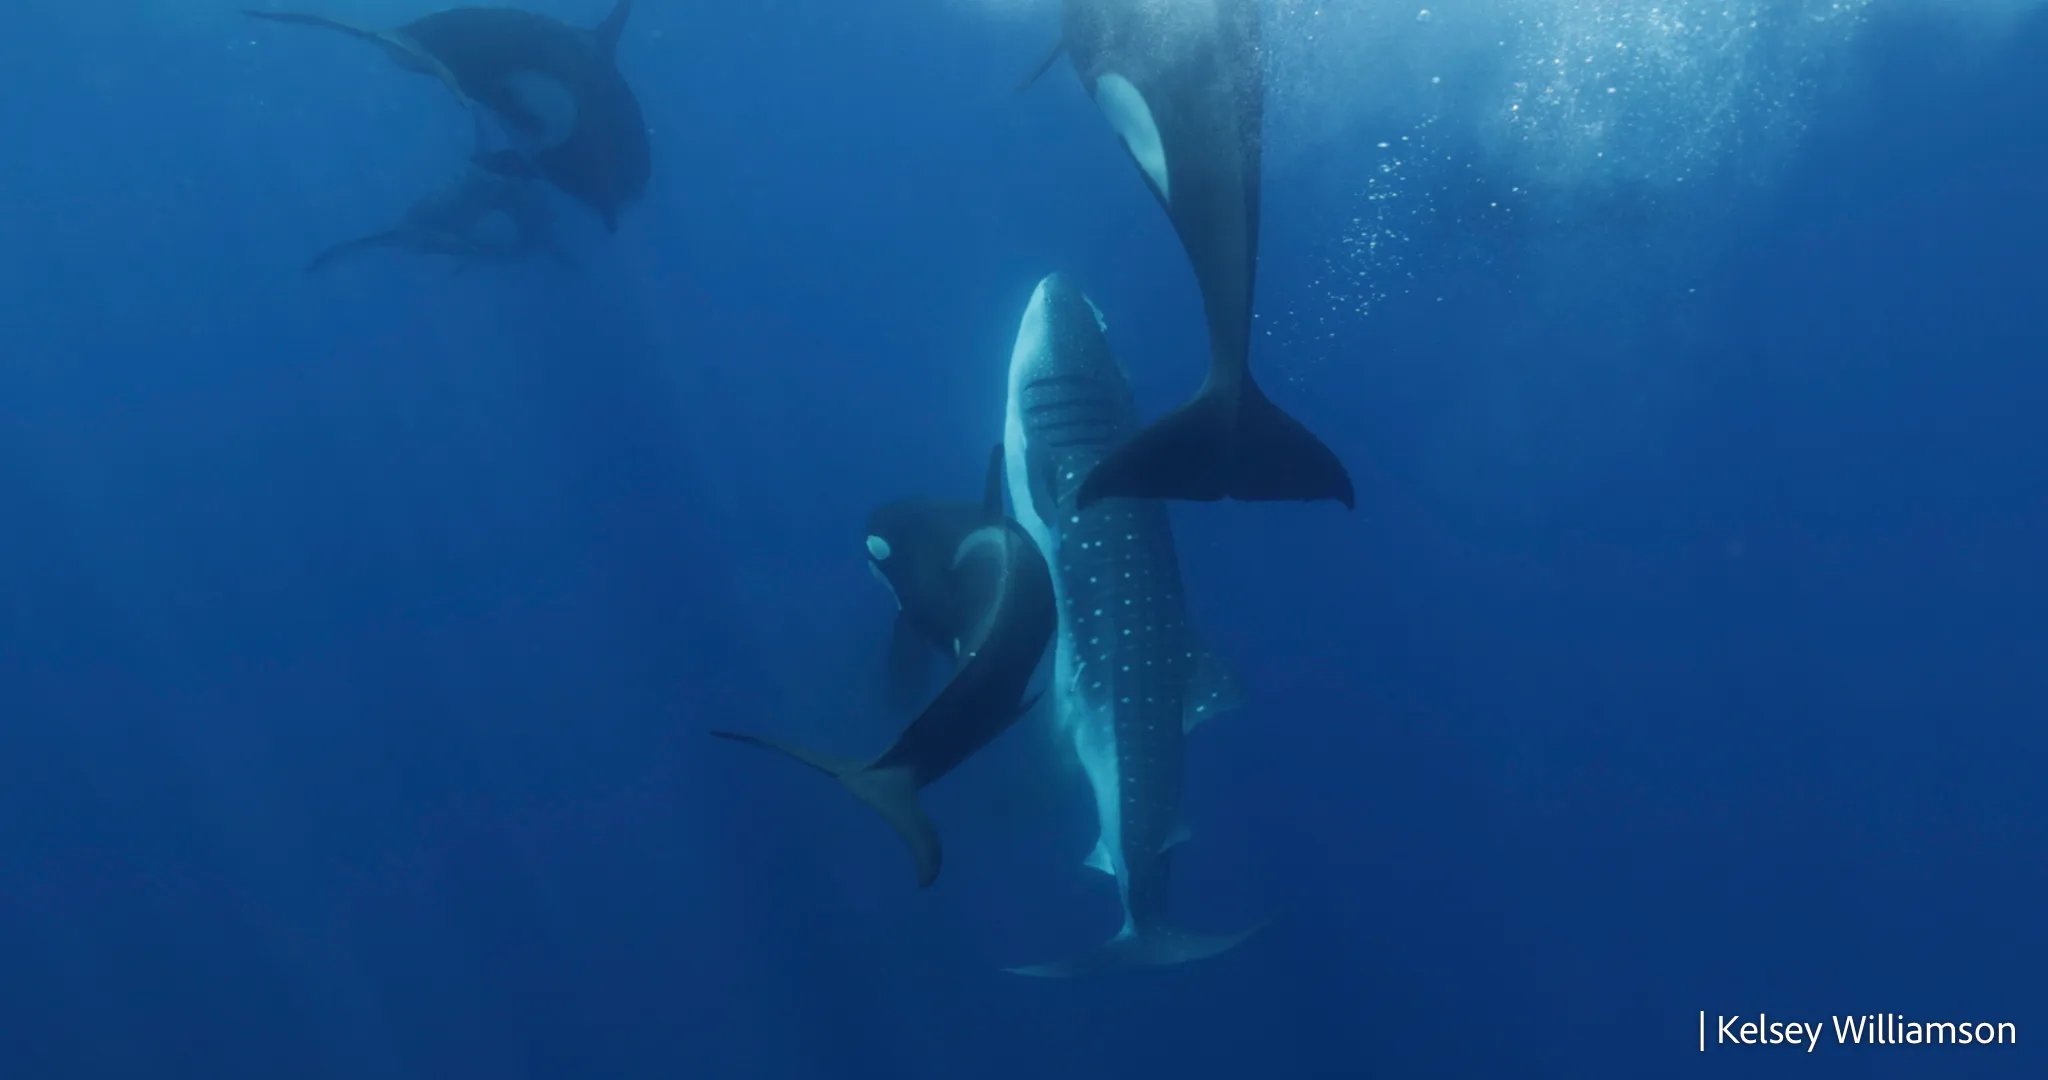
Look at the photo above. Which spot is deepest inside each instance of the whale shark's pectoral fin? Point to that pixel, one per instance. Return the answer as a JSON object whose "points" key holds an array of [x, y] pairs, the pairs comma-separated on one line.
{"points": [[1045, 65], [1228, 443], [1101, 859], [606, 35], [1212, 689], [891, 791], [1180, 835]]}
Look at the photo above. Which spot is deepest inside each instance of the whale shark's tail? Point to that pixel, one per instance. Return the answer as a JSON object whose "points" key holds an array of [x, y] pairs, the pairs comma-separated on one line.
{"points": [[1153, 947], [1225, 444], [891, 791]]}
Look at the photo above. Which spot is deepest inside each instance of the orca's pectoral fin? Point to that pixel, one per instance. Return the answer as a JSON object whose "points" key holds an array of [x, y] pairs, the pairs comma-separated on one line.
{"points": [[1222, 445], [892, 792], [300, 19], [992, 485], [1051, 55], [1155, 947], [409, 54], [326, 257]]}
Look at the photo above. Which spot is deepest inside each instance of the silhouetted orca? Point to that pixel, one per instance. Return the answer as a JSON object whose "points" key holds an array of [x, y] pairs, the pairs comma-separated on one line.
{"points": [[985, 578], [556, 86], [1180, 84], [482, 217]]}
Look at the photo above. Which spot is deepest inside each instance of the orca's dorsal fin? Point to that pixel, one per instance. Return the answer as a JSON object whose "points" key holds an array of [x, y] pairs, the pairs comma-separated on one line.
{"points": [[992, 488], [1058, 46], [614, 24]]}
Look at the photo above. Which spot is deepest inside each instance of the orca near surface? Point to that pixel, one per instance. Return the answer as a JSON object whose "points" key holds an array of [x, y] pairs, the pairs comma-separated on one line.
{"points": [[1181, 85], [482, 217], [1131, 680], [557, 87], [993, 584]]}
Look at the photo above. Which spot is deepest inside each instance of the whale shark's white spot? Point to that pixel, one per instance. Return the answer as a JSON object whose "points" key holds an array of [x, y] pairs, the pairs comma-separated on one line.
{"points": [[1131, 119], [879, 548], [548, 102]]}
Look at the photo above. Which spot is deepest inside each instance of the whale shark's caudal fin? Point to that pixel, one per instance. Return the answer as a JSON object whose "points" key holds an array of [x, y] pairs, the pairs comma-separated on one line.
{"points": [[1222, 445], [1154, 947], [892, 792]]}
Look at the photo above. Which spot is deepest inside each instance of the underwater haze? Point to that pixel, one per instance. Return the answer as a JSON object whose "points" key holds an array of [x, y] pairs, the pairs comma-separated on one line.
{"points": [[1685, 657]]}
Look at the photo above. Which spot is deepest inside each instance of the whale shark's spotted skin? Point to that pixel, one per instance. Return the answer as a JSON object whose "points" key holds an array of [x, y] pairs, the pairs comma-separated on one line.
{"points": [[1129, 679]]}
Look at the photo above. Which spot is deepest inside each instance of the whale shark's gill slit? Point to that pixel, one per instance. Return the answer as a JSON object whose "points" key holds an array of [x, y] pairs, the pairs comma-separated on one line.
{"points": [[1073, 424], [1071, 412], [1046, 381]]}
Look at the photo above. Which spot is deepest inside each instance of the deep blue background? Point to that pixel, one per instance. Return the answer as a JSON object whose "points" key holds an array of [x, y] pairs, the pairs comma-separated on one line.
{"points": [[358, 635]]}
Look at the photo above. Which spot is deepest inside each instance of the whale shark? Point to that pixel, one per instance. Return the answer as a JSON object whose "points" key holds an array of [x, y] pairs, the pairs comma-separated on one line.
{"points": [[557, 88], [1180, 84], [1130, 679], [995, 576], [481, 217]]}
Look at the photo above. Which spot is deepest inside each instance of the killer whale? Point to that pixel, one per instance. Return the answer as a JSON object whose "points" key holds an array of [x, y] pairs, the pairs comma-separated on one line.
{"points": [[483, 216], [1130, 678], [1180, 84], [910, 546], [557, 87], [1004, 591]]}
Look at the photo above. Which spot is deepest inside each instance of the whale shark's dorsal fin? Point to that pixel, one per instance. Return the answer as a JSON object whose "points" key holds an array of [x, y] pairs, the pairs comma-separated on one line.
{"points": [[992, 485], [1059, 46], [614, 24]]}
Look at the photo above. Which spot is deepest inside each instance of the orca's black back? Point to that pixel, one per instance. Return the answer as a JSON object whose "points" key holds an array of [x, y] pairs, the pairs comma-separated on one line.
{"points": [[605, 161]]}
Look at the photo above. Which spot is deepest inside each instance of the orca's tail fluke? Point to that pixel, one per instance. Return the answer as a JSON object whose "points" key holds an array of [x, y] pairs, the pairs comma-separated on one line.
{"points": [[1134, 950], [1225, 444], [891, 791]]}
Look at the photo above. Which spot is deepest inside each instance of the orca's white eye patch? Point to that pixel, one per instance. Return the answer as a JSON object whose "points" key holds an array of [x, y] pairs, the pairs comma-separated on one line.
{"points": [[879, 548], [548, 106], [1131, 118]]}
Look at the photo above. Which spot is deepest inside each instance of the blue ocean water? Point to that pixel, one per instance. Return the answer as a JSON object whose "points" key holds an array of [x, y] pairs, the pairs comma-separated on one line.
{"points": [[360, 633]]}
